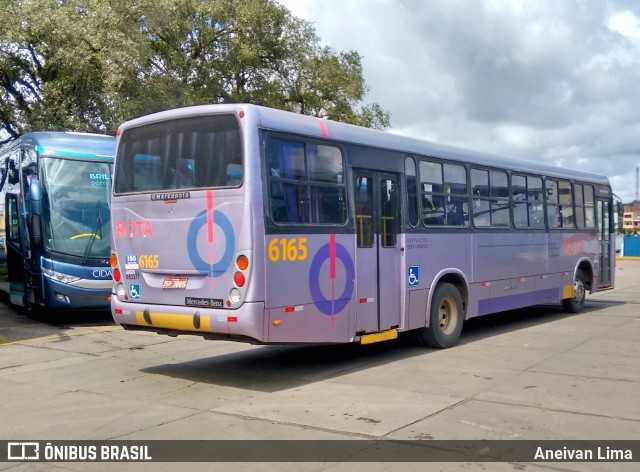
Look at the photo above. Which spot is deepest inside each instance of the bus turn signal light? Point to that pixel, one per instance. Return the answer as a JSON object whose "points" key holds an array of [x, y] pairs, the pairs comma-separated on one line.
{"points": [[242, 262], [113, 260]]}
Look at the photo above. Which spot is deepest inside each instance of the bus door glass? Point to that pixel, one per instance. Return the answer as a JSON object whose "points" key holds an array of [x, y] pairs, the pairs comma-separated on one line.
{"points": [[604, 237], [377, 207], [14, 245]]}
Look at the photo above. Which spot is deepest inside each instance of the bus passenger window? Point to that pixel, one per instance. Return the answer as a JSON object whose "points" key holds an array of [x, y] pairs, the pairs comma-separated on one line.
{"points": [[535, 203], [480, 196], [490, 194], [444, 194], [579, 200], [13, 233], [412, 190], [566, 204], [553, 210], [589, 207], [499, 183], [528, 209], [584, 207], [306, 183], [559, 204], [519, 197]]}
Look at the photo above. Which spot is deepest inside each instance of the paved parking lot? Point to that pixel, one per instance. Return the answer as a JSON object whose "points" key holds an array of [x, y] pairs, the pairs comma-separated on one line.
{"points": [[536, 374]]}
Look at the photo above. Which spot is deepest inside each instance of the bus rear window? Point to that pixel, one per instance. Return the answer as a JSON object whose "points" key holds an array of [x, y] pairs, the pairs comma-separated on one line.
{"points": [[187, 153]]}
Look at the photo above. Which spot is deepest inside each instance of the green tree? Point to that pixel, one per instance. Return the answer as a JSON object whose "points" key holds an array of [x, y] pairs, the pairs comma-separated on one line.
{"points": [[88, 65]]}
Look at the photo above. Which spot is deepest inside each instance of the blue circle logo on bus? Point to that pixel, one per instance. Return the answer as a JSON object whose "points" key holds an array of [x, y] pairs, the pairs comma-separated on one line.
{"points": [[210, 268], [331, 251]]}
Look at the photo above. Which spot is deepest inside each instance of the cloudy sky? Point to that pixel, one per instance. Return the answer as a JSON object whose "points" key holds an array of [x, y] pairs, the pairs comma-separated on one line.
{"points": [[547, 80]]}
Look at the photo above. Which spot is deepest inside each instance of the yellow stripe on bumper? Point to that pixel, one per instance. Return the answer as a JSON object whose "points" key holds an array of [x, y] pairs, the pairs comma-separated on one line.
{"points": [[567, 291], [377, 337], [173, 321]]}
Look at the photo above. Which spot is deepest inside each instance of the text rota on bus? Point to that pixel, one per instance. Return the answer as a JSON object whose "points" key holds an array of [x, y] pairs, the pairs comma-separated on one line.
{"points": [[248, 223], [55, 196]]}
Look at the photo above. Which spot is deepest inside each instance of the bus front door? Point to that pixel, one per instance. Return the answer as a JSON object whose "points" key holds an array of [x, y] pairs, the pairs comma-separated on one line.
{"points": [[14, 246], [604, 209], [378, 259]]}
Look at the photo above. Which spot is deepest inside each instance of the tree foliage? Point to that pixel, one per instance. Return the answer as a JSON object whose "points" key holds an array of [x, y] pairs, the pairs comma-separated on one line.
{"points": [[88, 65]]}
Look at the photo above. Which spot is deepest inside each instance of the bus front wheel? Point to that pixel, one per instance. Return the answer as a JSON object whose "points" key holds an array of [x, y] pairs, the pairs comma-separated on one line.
{"points": [[575, 304], [446, 318]]}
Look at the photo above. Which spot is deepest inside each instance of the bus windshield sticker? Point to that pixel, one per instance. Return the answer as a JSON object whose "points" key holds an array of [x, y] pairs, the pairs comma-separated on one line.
{"points": [[99, 179]]}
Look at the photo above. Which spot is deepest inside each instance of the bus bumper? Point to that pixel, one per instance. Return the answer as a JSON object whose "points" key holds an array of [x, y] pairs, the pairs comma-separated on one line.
{"points": [[61, 296], [244, 323]]}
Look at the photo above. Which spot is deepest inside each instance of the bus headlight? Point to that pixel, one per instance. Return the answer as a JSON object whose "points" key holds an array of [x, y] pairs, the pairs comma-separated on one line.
{"points": [[58, 276]]}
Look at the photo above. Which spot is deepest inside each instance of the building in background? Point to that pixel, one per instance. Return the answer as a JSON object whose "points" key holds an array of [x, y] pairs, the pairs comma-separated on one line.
{"points": [[631, 218]]}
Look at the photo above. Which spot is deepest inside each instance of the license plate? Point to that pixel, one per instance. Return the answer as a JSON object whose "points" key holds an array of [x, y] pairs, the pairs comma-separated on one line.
{"points": [[174, 282]]}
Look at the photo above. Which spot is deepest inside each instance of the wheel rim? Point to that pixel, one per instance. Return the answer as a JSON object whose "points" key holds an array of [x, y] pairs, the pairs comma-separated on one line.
{"points": [[448, 315], [578, 291]]}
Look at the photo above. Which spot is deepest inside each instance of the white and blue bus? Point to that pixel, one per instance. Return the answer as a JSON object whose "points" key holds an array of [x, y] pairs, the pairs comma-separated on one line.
{"points": [[246, 223], [55, 200]]}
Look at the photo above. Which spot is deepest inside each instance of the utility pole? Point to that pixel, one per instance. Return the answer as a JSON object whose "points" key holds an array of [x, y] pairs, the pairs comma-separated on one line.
{"points": [[637, 172]]}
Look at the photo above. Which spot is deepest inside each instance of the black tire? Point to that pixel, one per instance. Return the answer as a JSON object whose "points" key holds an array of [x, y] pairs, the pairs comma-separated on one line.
{"points": [[445, 319], [575, 304]]}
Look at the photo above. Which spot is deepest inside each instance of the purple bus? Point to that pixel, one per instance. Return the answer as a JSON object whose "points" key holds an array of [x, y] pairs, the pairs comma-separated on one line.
{"points": [[247, 223]]}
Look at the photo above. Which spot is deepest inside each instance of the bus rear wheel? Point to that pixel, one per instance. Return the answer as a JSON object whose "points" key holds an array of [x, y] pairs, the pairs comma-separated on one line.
{"points": [[575, 304], [446, 318]]}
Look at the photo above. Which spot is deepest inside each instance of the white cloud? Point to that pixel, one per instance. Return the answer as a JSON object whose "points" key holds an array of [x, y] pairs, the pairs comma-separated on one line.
{"points": [[625, 23], [545, 81]]}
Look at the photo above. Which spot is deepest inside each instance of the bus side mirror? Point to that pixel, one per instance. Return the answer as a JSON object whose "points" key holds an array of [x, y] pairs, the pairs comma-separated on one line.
{"points": [[35, 196]]}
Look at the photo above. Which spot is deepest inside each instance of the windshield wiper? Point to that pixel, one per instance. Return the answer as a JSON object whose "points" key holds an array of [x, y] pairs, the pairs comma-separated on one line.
{"points": [[96, 227]]}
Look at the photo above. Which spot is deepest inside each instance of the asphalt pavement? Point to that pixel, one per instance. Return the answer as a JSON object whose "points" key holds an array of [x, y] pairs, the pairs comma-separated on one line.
{"points": [[531, 374]]}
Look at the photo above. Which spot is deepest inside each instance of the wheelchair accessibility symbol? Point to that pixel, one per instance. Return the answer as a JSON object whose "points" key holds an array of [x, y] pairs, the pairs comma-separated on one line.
{"points": [[134, 290], [413, 276]]}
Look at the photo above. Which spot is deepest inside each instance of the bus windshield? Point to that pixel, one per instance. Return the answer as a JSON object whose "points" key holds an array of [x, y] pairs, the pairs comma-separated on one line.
{"points": [[181, 154], [76, 206]]}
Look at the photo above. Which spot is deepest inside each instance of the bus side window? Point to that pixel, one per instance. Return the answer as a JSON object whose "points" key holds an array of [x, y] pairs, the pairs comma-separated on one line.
{"points": [[432, 193], [14, 173], [553, 210], [13, 228], [306, 183], [4, 170]]}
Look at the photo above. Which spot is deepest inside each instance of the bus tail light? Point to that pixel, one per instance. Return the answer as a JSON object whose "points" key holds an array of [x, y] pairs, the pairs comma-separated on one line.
{"points": [[241, 278], [116, 275], [238, 279], [242, 262]]}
